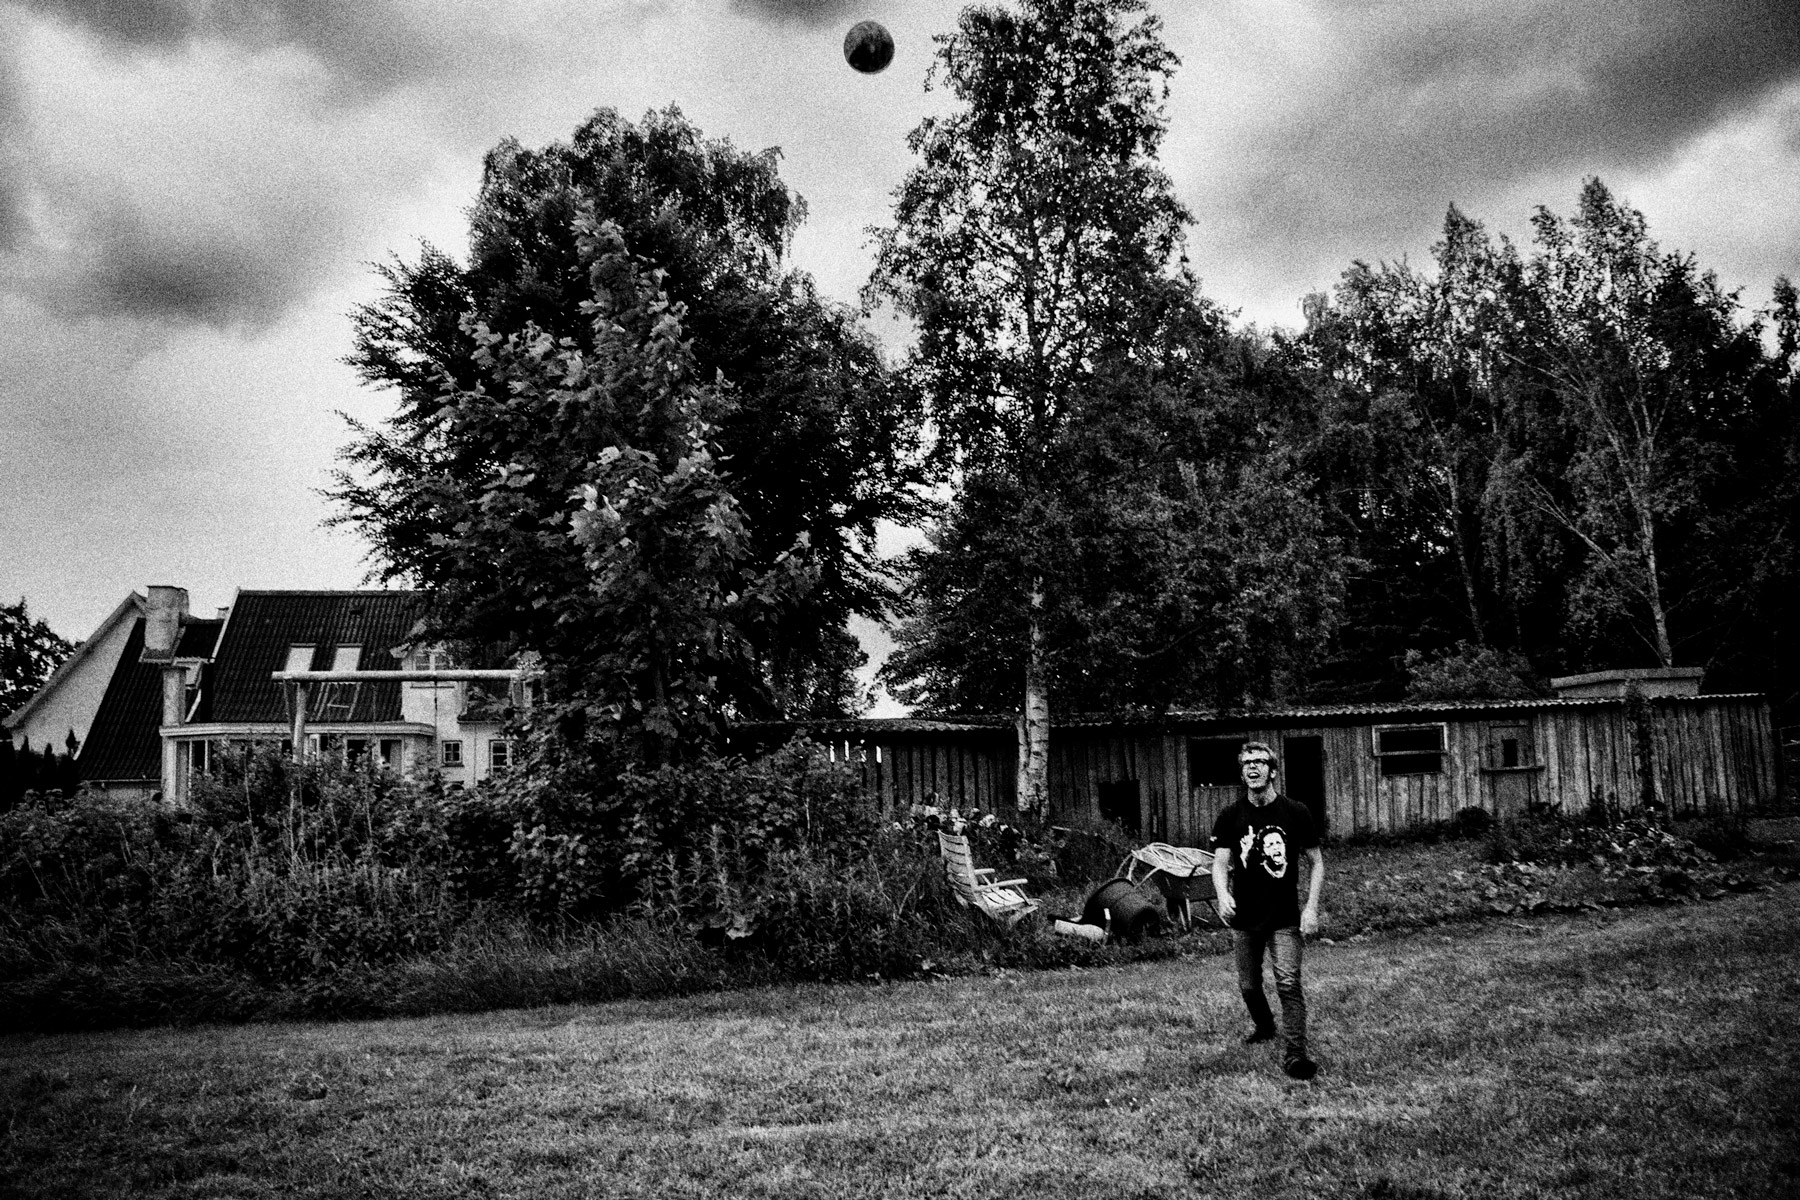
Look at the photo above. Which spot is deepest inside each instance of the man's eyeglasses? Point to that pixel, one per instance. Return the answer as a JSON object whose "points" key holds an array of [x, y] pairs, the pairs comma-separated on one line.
{"points": [[1266, 764]]}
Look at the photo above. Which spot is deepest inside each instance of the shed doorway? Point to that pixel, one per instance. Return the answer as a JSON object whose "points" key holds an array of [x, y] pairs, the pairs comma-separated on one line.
{"points": [[1119, 802], [1303, 775]]}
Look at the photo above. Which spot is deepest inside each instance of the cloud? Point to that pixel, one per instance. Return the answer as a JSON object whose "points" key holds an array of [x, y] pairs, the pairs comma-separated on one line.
{"points": [[806, 12], [214, 163], [12, 215], [371, 46], [1352, 127], [202, 186]]}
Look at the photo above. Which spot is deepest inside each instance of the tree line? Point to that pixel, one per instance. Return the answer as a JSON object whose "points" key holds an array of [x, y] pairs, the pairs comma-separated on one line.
{"points": [[631, 437]]}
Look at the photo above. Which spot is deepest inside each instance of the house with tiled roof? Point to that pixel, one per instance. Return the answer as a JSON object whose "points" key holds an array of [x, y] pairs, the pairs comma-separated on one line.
{"points": [[158, 694]]}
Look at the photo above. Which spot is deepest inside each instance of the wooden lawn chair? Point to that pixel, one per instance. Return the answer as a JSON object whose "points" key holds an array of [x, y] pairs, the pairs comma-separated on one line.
{"points": [[976, 887]]}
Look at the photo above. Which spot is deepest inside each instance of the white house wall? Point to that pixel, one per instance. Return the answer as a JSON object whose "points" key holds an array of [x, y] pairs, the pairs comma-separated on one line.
{"points": [[74, 699]]}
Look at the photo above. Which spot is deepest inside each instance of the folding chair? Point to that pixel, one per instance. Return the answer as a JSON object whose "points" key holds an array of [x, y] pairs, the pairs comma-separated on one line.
{"points": [[975, 886]]}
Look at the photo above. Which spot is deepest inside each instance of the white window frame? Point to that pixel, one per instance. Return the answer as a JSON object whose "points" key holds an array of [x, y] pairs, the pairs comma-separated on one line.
{"points": [[450, 752], [500, 754], [1443, 746]]}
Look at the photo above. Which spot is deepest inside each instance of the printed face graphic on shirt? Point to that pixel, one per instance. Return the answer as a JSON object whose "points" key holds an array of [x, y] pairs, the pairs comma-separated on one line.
{"points": [[1267, 850], [1274, 853]]}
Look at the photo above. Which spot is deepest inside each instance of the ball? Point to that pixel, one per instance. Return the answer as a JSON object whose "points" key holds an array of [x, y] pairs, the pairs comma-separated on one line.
{"points": [[868, 47]]}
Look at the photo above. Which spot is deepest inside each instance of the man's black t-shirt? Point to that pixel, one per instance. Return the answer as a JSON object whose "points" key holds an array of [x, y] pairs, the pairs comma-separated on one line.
{"points": [[1266, 843]]}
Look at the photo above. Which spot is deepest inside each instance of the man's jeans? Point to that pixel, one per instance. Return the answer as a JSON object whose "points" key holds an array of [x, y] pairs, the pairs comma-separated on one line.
{"points": [[1286, 946]]}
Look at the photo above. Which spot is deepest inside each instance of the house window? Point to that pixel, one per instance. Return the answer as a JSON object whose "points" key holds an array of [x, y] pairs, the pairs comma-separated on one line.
{"points": [[199, 757], [390, 753], [299, 658], [450, 754], [500, 754], [1213, 762], [1410, 749], [433, 659], [346, 658]]}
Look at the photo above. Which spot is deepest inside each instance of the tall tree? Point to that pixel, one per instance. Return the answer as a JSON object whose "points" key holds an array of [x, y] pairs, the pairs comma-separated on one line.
{"points": [[1567, 452], [29, 651], [1651, 372], [467, 489], [674, 607], [1183, 560], [1034, 241], [1418, 406]]}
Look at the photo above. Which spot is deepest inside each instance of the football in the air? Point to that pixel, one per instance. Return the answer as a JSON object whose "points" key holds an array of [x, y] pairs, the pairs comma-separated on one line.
{"points": [[868, 47]]}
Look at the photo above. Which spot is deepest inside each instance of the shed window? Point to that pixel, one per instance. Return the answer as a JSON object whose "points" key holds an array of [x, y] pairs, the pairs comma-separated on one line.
{"points": [[1410, 749], [1213, 762], [1509, 746]]}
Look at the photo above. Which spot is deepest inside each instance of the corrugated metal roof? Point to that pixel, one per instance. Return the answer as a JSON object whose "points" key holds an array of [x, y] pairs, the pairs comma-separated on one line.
{"points": [[1373, 712], [263, 625], [1192, 718], [864, 726], [123, 742]]}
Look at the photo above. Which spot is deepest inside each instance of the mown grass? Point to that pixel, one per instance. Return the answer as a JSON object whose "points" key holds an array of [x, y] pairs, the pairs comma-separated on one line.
{"points": [[1644, 1053]]}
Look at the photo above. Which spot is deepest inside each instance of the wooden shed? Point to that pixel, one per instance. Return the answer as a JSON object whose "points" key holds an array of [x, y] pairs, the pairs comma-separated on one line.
{"points": [[1362, 768]]}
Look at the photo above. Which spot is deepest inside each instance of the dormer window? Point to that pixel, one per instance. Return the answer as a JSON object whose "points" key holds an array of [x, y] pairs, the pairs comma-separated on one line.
{"points": [[346, 658], [435, 659], [299, 658]]}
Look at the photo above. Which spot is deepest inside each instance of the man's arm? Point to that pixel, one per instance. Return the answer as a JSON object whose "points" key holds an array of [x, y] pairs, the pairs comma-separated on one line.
{"points": [[1309, 916], [1221, 873]]}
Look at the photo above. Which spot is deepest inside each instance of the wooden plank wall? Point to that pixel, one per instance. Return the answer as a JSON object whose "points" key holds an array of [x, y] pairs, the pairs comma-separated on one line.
{"points": [[1708, 755], [963, 772], [1711, 757]]}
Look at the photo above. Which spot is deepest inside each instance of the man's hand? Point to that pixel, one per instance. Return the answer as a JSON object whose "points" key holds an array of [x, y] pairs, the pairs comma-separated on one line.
{"points": [[1309, 921], [1227, 906]]}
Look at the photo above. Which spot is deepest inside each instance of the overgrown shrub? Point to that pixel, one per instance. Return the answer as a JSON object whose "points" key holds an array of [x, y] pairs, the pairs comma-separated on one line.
{"points": [[281, 871], [300, 889]]}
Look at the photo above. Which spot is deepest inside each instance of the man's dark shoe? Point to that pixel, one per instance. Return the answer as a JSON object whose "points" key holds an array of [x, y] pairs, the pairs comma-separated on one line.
{"points": [[1301, 1068], [1258, 1036]]}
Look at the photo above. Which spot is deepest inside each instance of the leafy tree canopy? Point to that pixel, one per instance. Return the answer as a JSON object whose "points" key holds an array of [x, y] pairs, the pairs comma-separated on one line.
{"points": [[1035, 236], [29, 651], [472, 488], [1123, 532], [1577, 452], [1182, 558]]}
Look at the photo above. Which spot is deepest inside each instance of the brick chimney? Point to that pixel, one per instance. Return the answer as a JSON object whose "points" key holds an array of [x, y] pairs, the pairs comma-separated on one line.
{"points": [[164, 612]]}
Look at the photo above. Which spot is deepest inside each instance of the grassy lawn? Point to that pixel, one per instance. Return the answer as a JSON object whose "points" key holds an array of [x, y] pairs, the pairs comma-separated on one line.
{"points": [[1642, 1053]]}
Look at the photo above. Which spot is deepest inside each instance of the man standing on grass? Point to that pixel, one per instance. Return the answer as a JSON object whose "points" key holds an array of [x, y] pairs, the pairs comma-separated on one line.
{"points": [[1257, 844]]}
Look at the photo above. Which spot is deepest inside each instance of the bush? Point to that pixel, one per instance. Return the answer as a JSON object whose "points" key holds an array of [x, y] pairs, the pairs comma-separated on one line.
{"points": [[334, 889], [1470, 672]]}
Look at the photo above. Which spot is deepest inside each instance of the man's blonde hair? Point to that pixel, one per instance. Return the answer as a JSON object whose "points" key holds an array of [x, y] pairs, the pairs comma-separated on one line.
{"points": [[1251, 748]]}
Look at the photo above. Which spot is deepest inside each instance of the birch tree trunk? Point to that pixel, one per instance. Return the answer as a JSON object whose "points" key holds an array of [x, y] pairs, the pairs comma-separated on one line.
{"points": [[1034, 720]]}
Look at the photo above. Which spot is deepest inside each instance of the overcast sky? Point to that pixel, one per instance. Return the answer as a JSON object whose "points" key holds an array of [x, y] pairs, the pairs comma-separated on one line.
{"points": [[191, 192]]}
